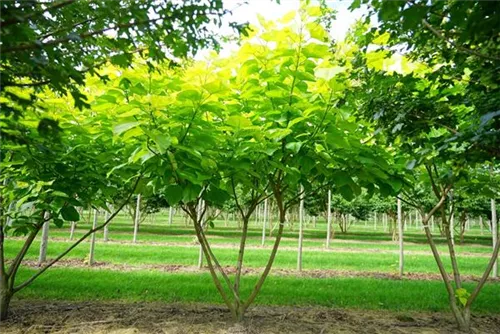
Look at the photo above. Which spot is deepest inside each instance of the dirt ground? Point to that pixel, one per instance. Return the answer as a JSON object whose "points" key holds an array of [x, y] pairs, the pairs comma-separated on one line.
{"points": [[128, 318]]}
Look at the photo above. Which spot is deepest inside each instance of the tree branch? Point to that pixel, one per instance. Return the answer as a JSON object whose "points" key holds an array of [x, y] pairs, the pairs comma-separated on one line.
{"points": [[51, 263], [15, 20], [458, 47], [32, 46]]}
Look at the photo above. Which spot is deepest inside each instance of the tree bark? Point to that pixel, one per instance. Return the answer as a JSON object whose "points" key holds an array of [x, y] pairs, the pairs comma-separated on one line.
{"points": [[92, 238], [400, 229], [5, 297], [494, 233], [72, 230], [170, 216], [301, 229], [106, 228], [44, 242], [264, 221], [329, 219], [137, 217]]}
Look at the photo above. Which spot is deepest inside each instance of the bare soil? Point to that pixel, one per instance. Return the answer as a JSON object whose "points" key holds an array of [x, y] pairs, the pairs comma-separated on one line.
{"points": [[114, 317]]}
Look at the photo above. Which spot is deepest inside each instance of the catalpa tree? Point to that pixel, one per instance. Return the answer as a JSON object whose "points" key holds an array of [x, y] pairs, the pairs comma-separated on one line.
{"points": [[270, 120], [438, 104]]}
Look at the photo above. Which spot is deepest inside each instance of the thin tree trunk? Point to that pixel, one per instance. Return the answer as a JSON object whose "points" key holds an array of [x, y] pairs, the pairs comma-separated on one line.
{"points": [[106, 228], [264, 221], [274, 250], [329, 219], [270, 218], [451, 248], [494, 233], [92, 238], [301, 229], [239, 264], [5, 292], [199, 209], [45, 241], [170, 215], [72, 230], [400, 229], [137, 217], [5, 297]]}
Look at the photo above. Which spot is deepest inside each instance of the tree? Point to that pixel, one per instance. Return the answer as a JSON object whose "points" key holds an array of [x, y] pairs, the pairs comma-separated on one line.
{"points": [[257, 124], [437, 104], [54, 45], [55, 160], [62, 164]]}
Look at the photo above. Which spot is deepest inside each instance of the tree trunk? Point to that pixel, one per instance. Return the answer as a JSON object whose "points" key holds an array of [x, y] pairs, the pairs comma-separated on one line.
{"points": [[301, 229], [329, 219], [481, 224], [137, 217], [170, 215], [72, 230], [5, 297], [463, 223], [462, 316], [494, 233], [92, 238], [264, 220], [106, 228], [400, 229], [45, 240]]}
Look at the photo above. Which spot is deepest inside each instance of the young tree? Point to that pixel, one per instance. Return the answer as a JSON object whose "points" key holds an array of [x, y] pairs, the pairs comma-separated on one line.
{"points": [[259, 123], [52, 173], [437, 104]]}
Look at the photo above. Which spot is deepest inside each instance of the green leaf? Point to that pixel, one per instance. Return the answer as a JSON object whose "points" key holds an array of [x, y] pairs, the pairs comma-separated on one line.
{"points": [[347, 193], [314, 50], [317, 31], [238, 122], [121, 60], [462, 295], [163, 142], [341, 178], [59, 194], [190, 192], [412, 16], [191, 95], [216, 196], [121, 128], [58, 222], [173, 194], [69, 213], [294, 146]]}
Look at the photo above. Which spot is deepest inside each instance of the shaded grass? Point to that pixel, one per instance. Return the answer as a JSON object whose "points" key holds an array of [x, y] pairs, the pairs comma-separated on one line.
{"points": [[361, 293]]}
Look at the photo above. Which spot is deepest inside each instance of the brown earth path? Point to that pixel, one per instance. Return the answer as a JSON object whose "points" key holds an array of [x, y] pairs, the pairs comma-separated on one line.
{"points": [[29, 317]]}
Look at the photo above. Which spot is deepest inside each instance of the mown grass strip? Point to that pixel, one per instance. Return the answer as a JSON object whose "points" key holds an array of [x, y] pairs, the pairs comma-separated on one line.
{"points": [[159, 254], [360, 293]]}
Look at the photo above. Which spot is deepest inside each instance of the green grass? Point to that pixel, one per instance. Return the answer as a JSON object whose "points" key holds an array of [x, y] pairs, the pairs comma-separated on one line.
{"points": [[362, 293], [135, 254], [121, 230]]}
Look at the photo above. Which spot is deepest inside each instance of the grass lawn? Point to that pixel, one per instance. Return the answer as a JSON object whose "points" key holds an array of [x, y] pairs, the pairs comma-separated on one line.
{"points": [[362, 293], [135, 254]]}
